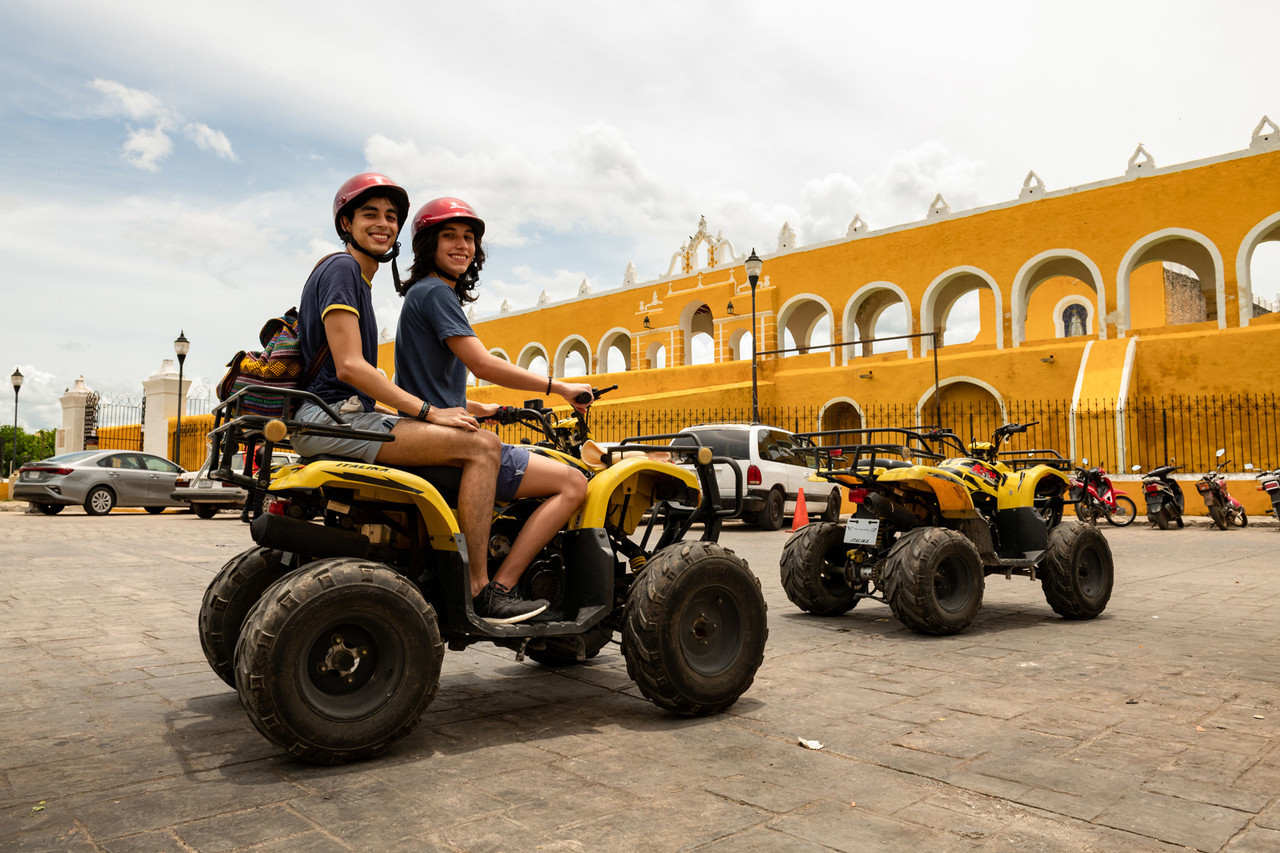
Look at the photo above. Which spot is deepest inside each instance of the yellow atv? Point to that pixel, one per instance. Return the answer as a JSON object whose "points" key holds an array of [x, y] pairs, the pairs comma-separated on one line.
{"points": [[333, 628], [929, 528]]}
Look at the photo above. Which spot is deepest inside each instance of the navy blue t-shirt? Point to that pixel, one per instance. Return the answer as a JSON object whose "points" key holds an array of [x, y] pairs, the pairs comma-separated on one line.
{"points": [[336, 285], [425, 366]]}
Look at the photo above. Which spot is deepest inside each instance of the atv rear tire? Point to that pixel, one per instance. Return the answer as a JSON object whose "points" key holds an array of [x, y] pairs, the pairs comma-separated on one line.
{"points": [[933, 580], [339, 660], [812, 568], [1078, 572], [230, 596], [694, 628]]}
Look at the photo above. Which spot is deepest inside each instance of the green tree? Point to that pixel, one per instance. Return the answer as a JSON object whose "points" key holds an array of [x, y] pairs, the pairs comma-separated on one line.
{"points": [[32, 446]]}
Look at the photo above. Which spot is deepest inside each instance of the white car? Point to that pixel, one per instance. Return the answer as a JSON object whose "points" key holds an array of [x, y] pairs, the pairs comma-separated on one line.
{"points": [[208, 496], [776, 465]]}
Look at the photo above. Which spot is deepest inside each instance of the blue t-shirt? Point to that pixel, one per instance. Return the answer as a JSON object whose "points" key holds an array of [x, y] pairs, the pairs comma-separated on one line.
{"points": [[425, 366], [336, 285]]}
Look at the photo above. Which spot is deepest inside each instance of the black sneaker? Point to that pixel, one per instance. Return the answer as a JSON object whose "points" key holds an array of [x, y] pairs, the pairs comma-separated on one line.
{"points": [[501, 606]]}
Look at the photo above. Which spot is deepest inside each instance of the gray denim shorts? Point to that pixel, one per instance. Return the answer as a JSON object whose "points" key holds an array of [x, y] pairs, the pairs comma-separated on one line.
{"points": [[363, 449], [511, 471]]}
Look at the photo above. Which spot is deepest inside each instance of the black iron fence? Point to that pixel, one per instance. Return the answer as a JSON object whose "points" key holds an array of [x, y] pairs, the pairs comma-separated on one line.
{"points": [[1183, 430]]}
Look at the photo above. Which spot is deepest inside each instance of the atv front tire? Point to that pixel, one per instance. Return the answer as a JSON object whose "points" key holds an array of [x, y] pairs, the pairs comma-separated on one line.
{"points": [[1078, 573], [694, 628], [339, 660], [933, 580], [232, 593], [812, 568]]}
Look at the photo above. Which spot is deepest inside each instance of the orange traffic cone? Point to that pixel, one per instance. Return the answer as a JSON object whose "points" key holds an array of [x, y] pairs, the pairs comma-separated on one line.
{"points": [[801, 517]]}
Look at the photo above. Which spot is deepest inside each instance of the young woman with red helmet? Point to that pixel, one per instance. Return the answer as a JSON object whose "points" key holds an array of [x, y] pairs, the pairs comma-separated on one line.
{"points": [[337, 310], [436, 347]]}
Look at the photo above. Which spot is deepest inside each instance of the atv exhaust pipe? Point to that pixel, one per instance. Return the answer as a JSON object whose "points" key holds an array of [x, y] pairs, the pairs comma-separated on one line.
{"points": [[884, 509], [304, 537]]}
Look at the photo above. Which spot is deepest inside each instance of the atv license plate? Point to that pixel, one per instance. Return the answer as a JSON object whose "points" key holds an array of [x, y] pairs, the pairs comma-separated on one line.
{"points": [[861, 531]]}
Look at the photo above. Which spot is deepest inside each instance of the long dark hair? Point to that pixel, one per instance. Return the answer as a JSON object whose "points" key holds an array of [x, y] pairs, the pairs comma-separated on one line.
{"points": [[425, 244]]}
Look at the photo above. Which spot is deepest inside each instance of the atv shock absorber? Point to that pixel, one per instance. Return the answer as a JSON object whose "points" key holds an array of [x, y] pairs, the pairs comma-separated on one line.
{"points": [[638, 562]]}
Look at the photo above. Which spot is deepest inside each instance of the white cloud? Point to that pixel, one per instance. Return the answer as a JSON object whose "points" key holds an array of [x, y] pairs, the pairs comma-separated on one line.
{"points": [[146, 147]]}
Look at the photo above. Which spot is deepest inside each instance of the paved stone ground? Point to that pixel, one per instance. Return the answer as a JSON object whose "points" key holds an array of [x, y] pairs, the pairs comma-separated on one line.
{"points": [[1152, 728]]}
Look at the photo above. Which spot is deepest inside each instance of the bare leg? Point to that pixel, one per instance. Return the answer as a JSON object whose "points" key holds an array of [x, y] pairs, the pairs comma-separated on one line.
{"points": [[565, 490], [477, 453]]}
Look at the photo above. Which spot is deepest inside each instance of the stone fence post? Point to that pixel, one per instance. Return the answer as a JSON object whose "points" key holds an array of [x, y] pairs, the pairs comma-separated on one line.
{"points": [[163, 399], [70, 437]]}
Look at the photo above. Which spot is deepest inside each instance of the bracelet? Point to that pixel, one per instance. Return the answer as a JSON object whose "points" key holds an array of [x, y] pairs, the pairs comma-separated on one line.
{"points": [[424, 411], [548, 383]]}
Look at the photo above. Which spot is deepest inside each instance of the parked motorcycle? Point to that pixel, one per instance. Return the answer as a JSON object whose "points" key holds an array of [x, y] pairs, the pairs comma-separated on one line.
{"points": [[1269, 482], [1163, 495], [1095, 497], [1222, 507]]}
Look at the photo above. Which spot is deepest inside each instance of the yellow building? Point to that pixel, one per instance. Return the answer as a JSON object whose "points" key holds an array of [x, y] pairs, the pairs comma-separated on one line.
{"points": [[1129, 289]]}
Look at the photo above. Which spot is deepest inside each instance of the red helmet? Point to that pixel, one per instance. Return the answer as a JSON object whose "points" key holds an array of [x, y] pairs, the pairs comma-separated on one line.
{"points": [[353, 188], [442, 210]]}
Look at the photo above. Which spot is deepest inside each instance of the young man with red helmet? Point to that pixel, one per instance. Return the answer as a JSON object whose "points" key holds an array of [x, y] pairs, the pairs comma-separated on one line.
{"points": [[436, 347], [336, 311]]}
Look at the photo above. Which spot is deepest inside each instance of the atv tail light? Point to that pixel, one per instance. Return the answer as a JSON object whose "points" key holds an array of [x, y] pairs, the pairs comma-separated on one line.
{"points": [[857, 496], [753, 475]]}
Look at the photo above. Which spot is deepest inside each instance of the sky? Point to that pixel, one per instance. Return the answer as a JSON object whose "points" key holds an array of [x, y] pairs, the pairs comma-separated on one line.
{"points": [[170, 167]]}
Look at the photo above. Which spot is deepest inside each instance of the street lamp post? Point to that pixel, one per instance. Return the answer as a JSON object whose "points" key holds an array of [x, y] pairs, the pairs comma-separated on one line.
{"points": [[16, 379], [180, 346], [753, 266]]}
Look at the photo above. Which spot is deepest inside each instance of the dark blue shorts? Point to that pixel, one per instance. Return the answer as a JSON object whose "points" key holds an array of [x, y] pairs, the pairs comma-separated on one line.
{"points": [[511, 471]]}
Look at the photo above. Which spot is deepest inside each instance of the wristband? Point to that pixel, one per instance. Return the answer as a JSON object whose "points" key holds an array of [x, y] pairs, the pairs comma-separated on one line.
{"points": [[548, 384], [424, 411]]}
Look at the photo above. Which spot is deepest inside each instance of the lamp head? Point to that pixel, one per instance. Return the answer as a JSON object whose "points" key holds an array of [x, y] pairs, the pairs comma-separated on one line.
{"points": [[181, 346], [16, 379], [753, 266]]}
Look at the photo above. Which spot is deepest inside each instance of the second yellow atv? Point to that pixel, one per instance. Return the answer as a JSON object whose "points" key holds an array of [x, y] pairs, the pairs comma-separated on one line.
{"points": [[929, 528]]}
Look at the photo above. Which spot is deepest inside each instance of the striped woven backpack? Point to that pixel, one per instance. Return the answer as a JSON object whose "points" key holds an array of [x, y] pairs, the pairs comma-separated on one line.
{"points": [[277, 365]]}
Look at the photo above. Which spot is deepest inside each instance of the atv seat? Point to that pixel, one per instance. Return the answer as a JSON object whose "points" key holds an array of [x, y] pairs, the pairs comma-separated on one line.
{"points": [[446, 478]]}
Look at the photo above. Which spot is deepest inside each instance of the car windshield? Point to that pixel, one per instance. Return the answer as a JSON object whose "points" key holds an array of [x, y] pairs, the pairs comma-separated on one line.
{"points": [[723, 442]]}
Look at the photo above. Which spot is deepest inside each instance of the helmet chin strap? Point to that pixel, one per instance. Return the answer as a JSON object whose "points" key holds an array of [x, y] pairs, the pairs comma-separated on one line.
{"points": [[382, 259]]}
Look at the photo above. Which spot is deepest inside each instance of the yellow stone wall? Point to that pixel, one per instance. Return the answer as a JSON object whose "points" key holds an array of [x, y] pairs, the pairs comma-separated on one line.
{"points": [[1109, 237]]}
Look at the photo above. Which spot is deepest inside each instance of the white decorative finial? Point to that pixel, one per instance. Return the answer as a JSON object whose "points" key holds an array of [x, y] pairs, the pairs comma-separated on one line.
{"points": [[856, 226], [471, 314], [1266, 135], [544, 298], [1032, 186], [786, 237], [631, 276], [584, 289], [1141, 163], [506, 307], [939, 207]]}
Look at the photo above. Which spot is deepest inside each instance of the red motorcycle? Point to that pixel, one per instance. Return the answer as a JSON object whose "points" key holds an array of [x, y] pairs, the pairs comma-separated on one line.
{"points": [[1222, 507], [1095, 497]]}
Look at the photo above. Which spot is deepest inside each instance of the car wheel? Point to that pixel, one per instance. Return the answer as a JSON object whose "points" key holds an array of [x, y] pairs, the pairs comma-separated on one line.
{"points": [[694, 628], [205, 510], [770, 517], [338, 660], [100, 501], [49, 509], [154, 510]]}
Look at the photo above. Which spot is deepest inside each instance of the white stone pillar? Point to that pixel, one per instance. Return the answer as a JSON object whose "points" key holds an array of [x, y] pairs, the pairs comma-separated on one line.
{"points": [[71, 436], [163, 399]]}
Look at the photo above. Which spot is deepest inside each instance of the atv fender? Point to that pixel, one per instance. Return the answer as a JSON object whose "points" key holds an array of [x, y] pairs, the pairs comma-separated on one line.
{"points": [[1019, 489], [953, 498], [622, 493], [386, 485]]}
